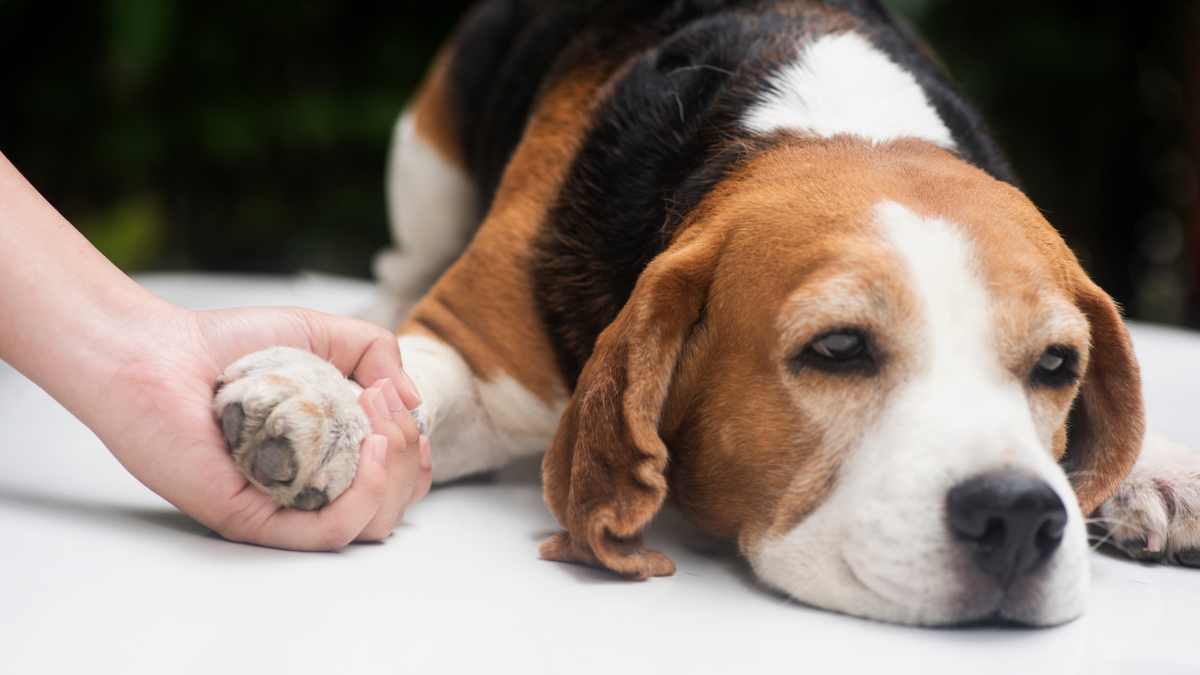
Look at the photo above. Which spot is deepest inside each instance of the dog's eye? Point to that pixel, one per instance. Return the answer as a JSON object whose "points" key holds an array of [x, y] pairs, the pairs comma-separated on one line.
{"points": [[844, 345], [1056, 367], [1050, 362], [840, 351]]}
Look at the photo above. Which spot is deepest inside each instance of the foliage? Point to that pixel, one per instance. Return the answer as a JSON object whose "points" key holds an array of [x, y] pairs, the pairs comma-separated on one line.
{"points": [[234, 135], [251, 134]]}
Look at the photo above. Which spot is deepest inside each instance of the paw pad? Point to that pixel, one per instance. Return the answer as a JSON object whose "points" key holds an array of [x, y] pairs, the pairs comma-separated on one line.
{"points": [[293, 425]]}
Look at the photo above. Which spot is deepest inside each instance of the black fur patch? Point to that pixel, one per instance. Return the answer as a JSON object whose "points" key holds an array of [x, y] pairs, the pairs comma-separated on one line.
{"points": [[511, 50], [664, 137]]}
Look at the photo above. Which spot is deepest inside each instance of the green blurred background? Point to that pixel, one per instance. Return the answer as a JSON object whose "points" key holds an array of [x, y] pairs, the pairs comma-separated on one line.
{"points": [[250, 135]]}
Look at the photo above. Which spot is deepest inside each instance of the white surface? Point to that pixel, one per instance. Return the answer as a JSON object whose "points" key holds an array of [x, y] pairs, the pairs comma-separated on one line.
{"points": [[100, 575]]}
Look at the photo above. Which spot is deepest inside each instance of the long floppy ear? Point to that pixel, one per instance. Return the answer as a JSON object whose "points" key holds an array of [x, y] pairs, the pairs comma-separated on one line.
{"points": [[604, 471], [1107, 423]]}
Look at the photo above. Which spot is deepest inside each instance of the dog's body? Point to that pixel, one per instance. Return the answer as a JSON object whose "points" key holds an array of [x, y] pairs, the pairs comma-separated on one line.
{"points": [[760, 257]]}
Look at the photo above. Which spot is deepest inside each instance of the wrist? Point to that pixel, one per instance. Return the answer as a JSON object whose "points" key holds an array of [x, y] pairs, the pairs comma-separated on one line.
{"points": [[89, 347], [72, 318]]}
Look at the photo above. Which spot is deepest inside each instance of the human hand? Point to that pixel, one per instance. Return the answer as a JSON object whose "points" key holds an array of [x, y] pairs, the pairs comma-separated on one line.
{"points": [[140, 372], [163, 431]]}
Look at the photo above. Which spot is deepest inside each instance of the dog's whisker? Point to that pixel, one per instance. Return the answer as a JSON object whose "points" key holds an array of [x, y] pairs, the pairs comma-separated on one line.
{"points": [[698, 66], [1101, 541], [679, 102]]}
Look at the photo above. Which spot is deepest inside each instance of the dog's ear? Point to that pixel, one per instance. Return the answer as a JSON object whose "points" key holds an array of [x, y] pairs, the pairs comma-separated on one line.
{"points": [[1107, 423], [604, 471]]}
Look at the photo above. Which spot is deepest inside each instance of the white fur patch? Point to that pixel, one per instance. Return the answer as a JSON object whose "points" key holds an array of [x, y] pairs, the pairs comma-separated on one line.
{"points": [[842, 84], [941, 263], [880, 546], [474, 426], [433, 209]]}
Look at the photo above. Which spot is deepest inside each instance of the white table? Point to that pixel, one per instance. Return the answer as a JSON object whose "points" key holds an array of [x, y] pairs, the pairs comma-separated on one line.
{"points": [[100, 575]]}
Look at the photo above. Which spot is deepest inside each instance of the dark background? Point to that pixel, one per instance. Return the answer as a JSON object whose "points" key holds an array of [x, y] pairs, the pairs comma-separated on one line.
{"points": [[250, 135]]}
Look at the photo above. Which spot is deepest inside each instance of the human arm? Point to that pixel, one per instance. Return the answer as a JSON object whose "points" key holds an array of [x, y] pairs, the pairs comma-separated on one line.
{"points": [[140, 372]]}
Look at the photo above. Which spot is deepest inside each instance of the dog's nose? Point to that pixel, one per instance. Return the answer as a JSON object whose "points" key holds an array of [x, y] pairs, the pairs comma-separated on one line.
{"points": [[1010, 523]]}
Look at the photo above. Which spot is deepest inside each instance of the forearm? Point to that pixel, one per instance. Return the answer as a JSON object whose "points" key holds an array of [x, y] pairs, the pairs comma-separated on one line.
{"points": [[140, 372], [71, 318]]}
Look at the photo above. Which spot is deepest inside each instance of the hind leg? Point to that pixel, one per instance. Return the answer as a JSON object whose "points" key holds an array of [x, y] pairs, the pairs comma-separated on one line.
{"points": [[433, 204]]}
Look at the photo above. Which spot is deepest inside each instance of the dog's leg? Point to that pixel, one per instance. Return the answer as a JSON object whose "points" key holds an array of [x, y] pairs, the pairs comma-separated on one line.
{"points": [[475, 422], [433, 204], [476, 344], [1155, 514], [294, 425]]}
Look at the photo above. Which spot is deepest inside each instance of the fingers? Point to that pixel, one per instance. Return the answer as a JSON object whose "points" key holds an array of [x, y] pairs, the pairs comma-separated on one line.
{"points": [[344, 522], [403, 456], [332, 527], [391, 473], [355, 347], [409, 393], [425, 479], [367, 351], [388, 410]]}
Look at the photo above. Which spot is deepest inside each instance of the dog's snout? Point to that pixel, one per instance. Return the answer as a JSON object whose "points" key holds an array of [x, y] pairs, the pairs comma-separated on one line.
{"points": [[1010, 523]]}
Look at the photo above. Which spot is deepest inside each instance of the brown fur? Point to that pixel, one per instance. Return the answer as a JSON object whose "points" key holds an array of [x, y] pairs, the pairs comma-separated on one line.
{"points": [[608, 450], [483, 305], [689, 392], [1108, 421], [434, 115], [752, 448]]}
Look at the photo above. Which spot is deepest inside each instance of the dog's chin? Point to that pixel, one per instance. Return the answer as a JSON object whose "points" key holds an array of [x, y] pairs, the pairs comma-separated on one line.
{"points": [[1009, 609], [1048, 597], [1024, 607], [951, 594], [1038, 603]]}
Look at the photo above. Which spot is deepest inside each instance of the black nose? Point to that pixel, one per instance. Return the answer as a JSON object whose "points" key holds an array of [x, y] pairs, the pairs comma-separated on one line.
{"points": [[1010, 523]]}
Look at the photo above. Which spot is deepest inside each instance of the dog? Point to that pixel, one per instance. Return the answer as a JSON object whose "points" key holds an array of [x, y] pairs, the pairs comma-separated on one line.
{"points": [[760, 258]]}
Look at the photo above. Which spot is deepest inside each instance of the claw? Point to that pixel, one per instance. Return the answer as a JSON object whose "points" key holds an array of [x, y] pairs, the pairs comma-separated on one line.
{"points": [[1154, 542]]}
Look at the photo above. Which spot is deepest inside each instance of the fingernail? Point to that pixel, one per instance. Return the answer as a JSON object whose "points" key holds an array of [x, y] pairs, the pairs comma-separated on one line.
{"points": [[381, 405], [392, 395], [379, 449], [426, 454], [412, 386]]}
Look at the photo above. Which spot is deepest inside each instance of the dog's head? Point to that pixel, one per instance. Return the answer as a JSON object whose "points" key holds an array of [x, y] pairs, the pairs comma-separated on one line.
{"points": [[877, 368]]}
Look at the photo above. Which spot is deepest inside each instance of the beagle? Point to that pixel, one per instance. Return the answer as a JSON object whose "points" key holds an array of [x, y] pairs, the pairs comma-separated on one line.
{"points": [[759, 258]]}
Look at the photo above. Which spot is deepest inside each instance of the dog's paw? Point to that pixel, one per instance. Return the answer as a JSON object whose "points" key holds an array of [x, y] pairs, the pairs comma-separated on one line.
{"points": [[1155, 514], [293, 425]]}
